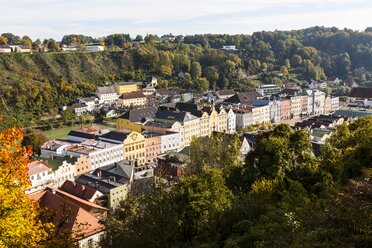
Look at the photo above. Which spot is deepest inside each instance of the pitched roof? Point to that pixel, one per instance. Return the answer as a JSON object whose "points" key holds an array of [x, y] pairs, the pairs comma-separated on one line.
{"points": [[140, 115], [226, 92], [123, 168], [78, 105], [82, 134], [78, 189], [174, 115], [36, 167], [79, 221], [188, 107], [132, 95], [106, 90], [158, 124], [363, 92], [243, 97]]}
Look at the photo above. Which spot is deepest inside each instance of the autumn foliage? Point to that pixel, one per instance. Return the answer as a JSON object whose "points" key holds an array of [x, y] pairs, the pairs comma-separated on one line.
{"points": [[19, 222]]}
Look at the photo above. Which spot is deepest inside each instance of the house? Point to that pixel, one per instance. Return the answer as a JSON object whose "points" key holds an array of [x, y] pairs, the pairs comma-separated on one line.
{"points": [[133, 144], [79, 108], [316, 99], [225, 94], [335, 103], [86, 133], [82, 191], [229, 48], [152, 146], [268, 89], [242, 99], [231, 121], [244, 118], [66, 48], [79, 218], [90, 102], [360, 96], [106, 94], [20, 48], [94, 48], [5, 49], [285, 109], [327, 105], [40, 175], [132, 99], [112, 181], [126, 87], [163, 127], [135, 118], [54, 148]]}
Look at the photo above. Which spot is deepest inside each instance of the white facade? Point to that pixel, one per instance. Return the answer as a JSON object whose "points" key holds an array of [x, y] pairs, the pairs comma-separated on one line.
{"points": [[261, 114], [231, 121], [170, 141], [41, 179], [140, 101], [5, 49], [91, 241], [335, 102], [229, 48], [89, 102], [316, 101], [54, 148], [296, 106], [268, 89], [244, 118], [99, 153], [64, 172], [94, 48]]}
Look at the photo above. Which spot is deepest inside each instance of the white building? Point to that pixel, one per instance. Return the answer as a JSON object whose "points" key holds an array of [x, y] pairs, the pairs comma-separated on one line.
{"points": [[268, 89], [69, 48], [5, 49], [90, 102], [244, 118], [171, 141], [229, 48], [134, 98], [316, 101], [40, 175], [231, 121], [296, 106], [66, 171], [94, 48], [99, 153], [54, 148], [79, 108], [335, 102], [106, 94]]}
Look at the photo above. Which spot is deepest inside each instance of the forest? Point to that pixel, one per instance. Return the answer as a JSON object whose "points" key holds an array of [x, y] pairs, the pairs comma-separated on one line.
{"points": [[39, 84]]}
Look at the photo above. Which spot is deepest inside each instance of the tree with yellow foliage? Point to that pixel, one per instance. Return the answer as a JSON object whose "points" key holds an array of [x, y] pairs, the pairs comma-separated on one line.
{"points": [[20, 225]]}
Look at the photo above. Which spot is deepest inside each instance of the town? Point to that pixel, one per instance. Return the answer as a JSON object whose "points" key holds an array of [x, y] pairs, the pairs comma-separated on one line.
{"points": [[96, 168]]}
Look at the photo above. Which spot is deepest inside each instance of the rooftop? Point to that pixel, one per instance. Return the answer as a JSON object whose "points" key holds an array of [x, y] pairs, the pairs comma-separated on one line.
{"points": [[106, 90], [139, 115], [132, 95], [36, 167]]}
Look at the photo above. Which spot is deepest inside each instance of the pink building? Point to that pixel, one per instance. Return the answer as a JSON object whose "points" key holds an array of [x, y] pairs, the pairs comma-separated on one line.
{"points": [[152, 146], [285, 109]]}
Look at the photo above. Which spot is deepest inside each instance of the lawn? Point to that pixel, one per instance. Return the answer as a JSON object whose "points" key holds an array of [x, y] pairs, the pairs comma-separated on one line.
{"points": [[61, 133]]}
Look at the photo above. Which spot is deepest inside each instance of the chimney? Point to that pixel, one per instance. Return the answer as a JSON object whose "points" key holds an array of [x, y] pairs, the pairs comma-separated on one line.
{"points": [[83, 187]]}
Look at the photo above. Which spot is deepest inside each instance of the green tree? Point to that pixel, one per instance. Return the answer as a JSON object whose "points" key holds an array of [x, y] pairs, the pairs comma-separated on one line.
{"points": [[35, 140], [211, 73], [195, 70], [201, 84]]}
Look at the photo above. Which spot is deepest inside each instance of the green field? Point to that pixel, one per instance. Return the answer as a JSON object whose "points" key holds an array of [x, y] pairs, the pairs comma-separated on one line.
{"points": [[61, 133]]}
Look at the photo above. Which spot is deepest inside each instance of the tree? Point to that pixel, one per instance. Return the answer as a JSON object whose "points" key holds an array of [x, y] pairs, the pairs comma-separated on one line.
{"points": [[211, 73], [19, 222], [287, 64], [195, 70], [53, 46], [12, 39], [201, 84], [296, 60], [139, 38], [284, 70], [35, 140], [3, 40], [26, 41], [165, 64]]}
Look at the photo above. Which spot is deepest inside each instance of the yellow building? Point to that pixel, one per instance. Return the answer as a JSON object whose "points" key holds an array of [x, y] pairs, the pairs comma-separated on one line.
{"points": [[134, 119], [213, 118], [127, 87], [133, 144], [260, 114], [134, 148], [222, 120]]}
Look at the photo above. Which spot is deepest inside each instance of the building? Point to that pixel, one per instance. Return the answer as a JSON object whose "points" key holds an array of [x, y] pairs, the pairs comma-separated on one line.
{"points": [[229, 48], [106, 94], [113, 181], [190, 123], [244, 118], [82, 191], [242, 99], [296, 106], [224, 94], [170, 141], [90, 102], [65, 171], [134, 119], [316, 101], [360, 96], [20, 48], [327, 105], [86, 133], [133, 144], [71, 214], [99, 153], [335, 102], [54, 148], [40, 175], [5, 49], [274, 109], [231, 121], [285, 109], [79, 108], [127, 87], [132, 99], [268, 89], [94, 48], [260, 114], [68, 48], [152, 146]]}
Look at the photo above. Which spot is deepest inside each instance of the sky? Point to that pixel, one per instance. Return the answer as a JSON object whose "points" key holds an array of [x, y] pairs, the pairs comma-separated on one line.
{"points": [[98, 18]]}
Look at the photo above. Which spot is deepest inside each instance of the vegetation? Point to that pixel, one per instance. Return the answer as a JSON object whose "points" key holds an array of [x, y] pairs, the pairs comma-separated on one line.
{"points": [[282, 196], [39, 84]]}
